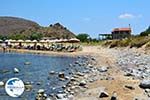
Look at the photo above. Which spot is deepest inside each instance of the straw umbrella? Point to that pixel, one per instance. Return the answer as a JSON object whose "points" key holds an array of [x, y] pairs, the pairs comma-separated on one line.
{"points": [[42, 41], [35, 41], [74, 40], [1, 40], [20, 41], [28, 41], [6, 40], [13, 40]]}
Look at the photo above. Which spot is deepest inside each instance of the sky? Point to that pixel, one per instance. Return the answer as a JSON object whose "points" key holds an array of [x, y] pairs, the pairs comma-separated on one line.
{"points": [[82, 16]]}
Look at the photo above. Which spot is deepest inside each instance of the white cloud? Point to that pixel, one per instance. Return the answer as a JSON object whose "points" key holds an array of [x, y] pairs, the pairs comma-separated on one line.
{"points": [[126, 16]]}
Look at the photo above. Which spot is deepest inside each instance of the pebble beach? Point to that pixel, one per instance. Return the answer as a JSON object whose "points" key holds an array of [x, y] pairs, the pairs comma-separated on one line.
{"points": [[109, 74]]}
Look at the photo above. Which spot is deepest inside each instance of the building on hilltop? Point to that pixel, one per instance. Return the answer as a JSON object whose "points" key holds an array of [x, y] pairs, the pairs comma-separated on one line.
{"points": [[121, 33]]}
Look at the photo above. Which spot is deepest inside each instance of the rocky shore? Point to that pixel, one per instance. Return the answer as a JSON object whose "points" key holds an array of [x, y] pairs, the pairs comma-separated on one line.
{"points": [[79, 80], [136, 65], [126, 78], [125, 70], [105, 74]]}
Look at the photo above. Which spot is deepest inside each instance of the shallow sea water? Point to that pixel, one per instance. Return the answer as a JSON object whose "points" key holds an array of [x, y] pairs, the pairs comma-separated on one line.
{"points": [[36, 72]]}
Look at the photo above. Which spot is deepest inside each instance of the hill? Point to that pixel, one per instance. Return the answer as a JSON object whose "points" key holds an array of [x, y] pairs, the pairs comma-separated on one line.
{"points": [[12, 27], [56, 31]]}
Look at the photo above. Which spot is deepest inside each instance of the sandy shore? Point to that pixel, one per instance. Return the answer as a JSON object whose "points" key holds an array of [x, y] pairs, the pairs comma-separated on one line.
{"points": [[104, 57]]}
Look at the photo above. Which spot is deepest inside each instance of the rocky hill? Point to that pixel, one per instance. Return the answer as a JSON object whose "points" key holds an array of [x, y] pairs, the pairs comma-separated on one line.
{"points": [[56, 31], [12, 25]]}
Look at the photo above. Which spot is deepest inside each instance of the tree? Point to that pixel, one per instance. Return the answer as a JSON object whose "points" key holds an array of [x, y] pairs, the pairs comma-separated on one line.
{"points": [[36, 36], [3, 37], [83, 37], [145, 33], [17, 36]]}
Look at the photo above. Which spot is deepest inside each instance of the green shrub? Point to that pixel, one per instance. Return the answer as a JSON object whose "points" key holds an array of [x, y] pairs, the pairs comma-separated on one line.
{"points": [[139, 41], [132, 42], [106, 43], [124, 43]]}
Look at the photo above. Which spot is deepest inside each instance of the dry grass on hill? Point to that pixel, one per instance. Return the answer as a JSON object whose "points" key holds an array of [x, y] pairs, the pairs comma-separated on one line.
{"points": [[131, 42]]}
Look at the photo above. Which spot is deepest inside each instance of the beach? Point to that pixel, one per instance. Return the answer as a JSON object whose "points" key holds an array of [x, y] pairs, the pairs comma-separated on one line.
{"points": [[109, 57], [113, 80]]}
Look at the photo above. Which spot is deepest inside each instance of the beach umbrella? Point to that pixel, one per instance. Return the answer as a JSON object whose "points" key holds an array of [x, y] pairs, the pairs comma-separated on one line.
{"points": [[6, 40], [20, 41], [10, 40], [34, 41], [47, 40], [56, 40], [74, 40], [1, 40], [13, 40], [60, 40], [28, 41], [42, 41], [51, 41], [65, 40]]}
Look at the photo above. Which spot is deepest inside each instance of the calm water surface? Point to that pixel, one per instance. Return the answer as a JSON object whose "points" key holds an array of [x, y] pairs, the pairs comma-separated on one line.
{"points": [[36, 72]]}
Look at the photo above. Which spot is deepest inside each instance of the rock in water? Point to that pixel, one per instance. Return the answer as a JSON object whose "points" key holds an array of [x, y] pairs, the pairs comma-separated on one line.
{"points": [[79, 74], [67, 77], [41, 95], [27, 63], [61, 75], [145, 84], [103, 94], [61, 96], [52, 72], [28, 87], [1, 83], [48, 99], [41, 91], [16, 70], [4, 71]]}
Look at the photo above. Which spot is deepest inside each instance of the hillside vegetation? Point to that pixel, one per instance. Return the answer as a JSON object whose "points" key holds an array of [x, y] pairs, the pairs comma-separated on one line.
{"points": [[19, 28], [130, 42]]}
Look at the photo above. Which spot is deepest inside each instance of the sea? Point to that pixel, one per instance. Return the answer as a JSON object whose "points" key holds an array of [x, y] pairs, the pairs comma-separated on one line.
{"points": [[36, 72]]}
